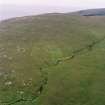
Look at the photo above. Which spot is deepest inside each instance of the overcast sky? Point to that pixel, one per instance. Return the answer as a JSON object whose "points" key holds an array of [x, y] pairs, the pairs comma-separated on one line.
{"points": [[14, 8], [87, 3]]}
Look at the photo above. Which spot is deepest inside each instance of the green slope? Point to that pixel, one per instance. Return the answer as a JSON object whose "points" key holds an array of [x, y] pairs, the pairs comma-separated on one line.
{"points": [[52, 59]]}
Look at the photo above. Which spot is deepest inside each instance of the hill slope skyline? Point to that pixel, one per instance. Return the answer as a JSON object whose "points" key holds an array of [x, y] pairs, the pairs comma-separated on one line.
{"points": [[52, 59], [12, 11]]}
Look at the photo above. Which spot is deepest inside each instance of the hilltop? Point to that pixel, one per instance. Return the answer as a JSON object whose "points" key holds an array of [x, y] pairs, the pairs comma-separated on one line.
{"points": [[93, 12]]}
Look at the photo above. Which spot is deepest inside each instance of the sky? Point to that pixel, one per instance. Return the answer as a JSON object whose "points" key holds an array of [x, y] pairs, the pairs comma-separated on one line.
{"points": [[82, 3], [16, 8]]}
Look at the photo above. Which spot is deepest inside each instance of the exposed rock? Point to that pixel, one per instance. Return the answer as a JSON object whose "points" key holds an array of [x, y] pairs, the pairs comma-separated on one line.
{"points": [[8, 83]]}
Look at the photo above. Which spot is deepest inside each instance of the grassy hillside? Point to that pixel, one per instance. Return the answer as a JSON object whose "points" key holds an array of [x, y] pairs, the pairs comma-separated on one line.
{"points": [[52, 59]]}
